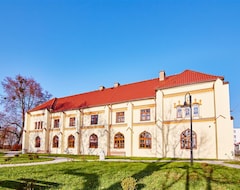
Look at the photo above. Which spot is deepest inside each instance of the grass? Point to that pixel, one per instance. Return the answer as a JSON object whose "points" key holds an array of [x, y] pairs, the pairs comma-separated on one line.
{"points": [[22, 158], [97, 175]]}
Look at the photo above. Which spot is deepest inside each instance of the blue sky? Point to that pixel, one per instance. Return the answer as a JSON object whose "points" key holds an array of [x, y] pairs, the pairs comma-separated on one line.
{"points": [[71, 47]]}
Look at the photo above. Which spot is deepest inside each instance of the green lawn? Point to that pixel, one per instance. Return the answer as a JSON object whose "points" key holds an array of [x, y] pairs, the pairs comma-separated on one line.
{"points": [[97, 175], [22, 158]]}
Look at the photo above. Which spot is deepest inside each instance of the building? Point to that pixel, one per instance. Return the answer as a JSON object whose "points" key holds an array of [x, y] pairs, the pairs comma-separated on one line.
{"points": [[145, 119]]}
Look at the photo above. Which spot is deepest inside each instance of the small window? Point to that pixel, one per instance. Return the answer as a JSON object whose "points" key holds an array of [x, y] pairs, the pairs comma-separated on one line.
{"points": [[72, 121], [37, 142], [94, 119], [196, 110], [71, 141], [179, 112], [120, 117], [185, 139], [119, 140], [55, 141], [39, 125], [187, 111], [56, 123], [145, 115], [93, 141], [145, 140]]}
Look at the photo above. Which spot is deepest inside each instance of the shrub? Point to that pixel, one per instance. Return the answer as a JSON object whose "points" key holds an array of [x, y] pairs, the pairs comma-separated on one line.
{"points": [[16, 155], [7, 159], [128, 183]]}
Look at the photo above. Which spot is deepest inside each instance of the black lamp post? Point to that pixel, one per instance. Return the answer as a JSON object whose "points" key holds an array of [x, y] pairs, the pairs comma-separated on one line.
{"points": [[191, 136]]}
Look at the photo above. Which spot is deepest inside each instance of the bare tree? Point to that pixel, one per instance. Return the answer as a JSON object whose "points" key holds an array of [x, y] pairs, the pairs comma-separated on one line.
{"points": [[21, 95]]}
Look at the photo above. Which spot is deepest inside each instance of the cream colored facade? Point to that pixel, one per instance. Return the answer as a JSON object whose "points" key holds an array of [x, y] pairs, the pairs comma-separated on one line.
{"points": [[212, 125]]}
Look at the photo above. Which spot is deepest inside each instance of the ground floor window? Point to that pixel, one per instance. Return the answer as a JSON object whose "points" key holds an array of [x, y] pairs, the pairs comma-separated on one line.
{"points": [[119, 140], [71, 141], [55, 141], [37, 142], [93, 141], [145, 140], [185, 139]]}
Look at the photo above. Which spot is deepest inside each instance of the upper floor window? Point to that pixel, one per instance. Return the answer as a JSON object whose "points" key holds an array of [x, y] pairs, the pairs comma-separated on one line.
{"points": [[195, 110], [38, 124], [94, 119], [72, 121], [187, 111], [185, 139], [179, 112], [145, 115], [56, 123], [93, 141], [120, 117], [55, 141], [71, 141], [145, 140], [37, 142], [119, 140]]}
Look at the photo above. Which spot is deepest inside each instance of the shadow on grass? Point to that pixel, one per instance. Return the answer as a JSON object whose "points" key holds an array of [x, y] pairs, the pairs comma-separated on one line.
{"points": [[147, 171], [26, 183], [91, 180]]}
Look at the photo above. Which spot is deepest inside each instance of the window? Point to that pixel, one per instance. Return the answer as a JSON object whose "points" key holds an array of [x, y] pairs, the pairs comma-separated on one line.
{"points": [[93, 141], [145, 140], [187, 112], [72, 121], [37, 142], [71, 141], [94, 119], [145, 115], [55, 141], [186, 139], [120, 117], [38, 124], [195, 110], [56, 123], [179, 112], [119, 140]]}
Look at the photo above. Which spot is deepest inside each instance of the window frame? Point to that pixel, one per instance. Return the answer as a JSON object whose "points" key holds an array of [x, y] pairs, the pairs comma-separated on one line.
{"points": [[37, 142], [55, 142], [71, 141], [119, 141], [179, 112], [145, 140], [93, 141], [56, 123], [145, 114], [94, 119], [120, 117], [185, 139], [72, 121]]}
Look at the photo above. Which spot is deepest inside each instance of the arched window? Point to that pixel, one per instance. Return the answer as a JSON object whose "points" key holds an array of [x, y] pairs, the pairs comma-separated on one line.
{"points": [[71, 141], [37, 142], [185, 139], [145, 140], [55, 141], [119, 140], [93, 141]]}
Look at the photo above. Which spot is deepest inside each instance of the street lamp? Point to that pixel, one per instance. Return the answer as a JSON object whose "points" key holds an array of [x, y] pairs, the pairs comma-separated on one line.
{"points": [[191, 136]]}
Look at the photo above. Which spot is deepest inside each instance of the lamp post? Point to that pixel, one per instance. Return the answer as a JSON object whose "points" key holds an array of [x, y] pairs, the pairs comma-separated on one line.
{"points": [[191, 136]]}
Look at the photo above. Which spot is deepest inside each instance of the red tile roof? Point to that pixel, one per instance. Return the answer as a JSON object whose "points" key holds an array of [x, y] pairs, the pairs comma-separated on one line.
{"points": [[123, 93]]}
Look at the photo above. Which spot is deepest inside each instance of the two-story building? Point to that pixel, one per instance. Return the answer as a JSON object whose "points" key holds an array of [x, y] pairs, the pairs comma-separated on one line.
{"points": [[146, 118]]}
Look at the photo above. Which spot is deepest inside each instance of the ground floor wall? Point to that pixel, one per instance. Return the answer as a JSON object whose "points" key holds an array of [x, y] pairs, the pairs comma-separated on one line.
{"points": [[165, 141]]}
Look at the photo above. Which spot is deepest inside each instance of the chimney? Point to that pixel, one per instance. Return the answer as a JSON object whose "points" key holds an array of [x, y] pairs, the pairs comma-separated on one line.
{"points": [[101, 88], [116, 84], [162, 75]]}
